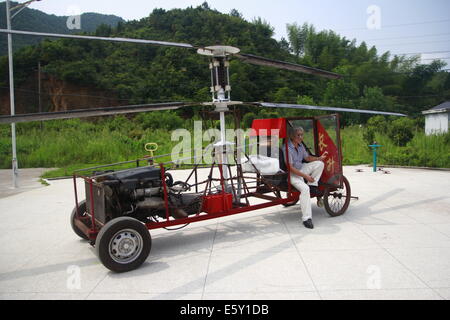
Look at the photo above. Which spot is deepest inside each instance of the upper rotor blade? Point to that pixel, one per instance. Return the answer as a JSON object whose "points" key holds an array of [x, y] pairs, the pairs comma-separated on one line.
{"points": [[83, 113], [299, 106], [286, 65], [72, 36]]}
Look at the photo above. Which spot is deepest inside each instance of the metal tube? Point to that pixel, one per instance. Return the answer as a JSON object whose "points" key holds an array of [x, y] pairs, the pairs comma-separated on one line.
{"points": [[76, 194], [224, 154], [166, 199], [91, 194], [15, 14], [15, 166]]}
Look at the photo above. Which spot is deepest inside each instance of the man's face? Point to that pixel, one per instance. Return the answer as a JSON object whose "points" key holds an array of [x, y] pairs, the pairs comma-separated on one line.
{"points": [[298, 136]]}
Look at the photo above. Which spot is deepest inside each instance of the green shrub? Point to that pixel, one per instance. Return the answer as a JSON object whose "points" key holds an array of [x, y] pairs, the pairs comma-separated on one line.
{"points": [[160, 120], [401, 131], [369, 136], [378, 124]]}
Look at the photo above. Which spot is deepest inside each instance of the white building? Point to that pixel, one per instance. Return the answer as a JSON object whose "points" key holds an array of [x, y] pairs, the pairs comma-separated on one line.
{"points": [[437, 119]]}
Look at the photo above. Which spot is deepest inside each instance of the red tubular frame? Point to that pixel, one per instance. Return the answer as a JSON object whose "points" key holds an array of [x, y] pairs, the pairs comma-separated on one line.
{"points": [[291, 196]]}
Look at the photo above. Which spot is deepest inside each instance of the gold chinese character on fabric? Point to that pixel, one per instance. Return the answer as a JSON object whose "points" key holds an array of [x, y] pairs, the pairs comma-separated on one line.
{"points": [[330, 164], [322, 144], [326, 144]]}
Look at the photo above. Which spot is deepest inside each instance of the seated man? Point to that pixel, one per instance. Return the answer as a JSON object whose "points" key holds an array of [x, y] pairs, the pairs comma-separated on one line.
{"points": [[310, 171]]}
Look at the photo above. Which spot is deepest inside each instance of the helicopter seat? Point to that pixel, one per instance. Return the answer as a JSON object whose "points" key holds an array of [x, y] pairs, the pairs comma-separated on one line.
{"points": [[278, 179]]}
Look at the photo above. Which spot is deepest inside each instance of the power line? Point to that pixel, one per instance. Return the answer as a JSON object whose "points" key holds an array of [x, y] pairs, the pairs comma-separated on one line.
{"points": [[429, 52], [411, 43], [444, 58], [409, 37], [399, 25], [65, 94]]}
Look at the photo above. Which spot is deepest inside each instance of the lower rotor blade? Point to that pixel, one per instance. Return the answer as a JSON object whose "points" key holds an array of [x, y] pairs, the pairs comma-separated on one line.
{"points": [[249, 58], [83, 113], [307, 107], [73, 36]]}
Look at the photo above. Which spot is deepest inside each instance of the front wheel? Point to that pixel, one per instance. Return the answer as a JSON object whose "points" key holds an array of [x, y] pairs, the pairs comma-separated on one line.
{"points": [[337, 199], [123, 244]]}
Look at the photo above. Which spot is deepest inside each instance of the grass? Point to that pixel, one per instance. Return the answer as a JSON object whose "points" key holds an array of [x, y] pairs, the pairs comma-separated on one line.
{"points": [[74, 144], [43, 182]]}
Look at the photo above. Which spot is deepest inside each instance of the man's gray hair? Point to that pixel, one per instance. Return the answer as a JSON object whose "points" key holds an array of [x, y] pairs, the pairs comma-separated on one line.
{"points": [[293, 131]]}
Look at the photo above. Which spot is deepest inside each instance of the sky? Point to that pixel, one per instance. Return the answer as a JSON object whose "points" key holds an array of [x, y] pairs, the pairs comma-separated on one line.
{"points": [[400, 26]]}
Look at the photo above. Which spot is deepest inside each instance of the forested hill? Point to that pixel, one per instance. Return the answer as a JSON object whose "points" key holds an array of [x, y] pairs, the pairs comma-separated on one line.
{"points": [[38, 21], [136, 73]]}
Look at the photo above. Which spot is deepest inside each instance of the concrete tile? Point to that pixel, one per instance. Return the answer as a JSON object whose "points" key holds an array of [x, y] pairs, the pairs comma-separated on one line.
{"points": [[10, 262], [330, 236], [392, 294], [195, 241], [407, 236], [443, 228], [383, 216], [256, 234], [289, 295], [443, 292], [263, 254], [17, 296], [263, 272], [430, 216], [174, 274], [358, 269], [60, 296], [144, 296], [432, 265], [61, 274]]}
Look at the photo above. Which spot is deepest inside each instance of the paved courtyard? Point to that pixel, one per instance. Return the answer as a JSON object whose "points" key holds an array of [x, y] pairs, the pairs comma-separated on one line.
{"points": [[392, 243]]}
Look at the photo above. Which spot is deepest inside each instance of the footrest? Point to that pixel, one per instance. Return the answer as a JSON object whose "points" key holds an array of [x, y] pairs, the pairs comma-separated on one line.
{"points": [[315, 191]]}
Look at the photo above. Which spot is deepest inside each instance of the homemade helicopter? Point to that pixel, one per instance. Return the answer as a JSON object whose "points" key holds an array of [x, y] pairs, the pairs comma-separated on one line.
{"points": [[121, 206]]}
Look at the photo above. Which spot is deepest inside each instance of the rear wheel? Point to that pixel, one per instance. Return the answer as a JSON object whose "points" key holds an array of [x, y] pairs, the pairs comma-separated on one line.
{"points": [[290, 204], [336, 200], [123, 244], [73, 217]]}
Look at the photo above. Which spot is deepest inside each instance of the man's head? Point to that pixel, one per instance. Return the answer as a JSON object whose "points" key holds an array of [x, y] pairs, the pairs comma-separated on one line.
{"points": [[296, 135]]}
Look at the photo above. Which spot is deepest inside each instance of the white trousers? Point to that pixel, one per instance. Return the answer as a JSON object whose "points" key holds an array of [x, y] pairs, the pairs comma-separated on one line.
{"points": [[314, 169]]}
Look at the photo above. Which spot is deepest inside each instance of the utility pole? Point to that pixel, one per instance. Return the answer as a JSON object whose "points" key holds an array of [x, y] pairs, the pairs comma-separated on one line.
{"points": [[39, 89], [15, 167], [20, 7]]}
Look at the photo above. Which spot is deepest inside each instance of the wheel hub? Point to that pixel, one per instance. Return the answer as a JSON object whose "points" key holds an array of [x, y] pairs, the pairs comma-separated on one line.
{"points": [[125, 246]]}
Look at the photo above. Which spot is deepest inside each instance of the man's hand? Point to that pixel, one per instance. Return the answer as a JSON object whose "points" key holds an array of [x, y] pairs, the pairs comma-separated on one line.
{"points": [[323, 156], [309, 178]]}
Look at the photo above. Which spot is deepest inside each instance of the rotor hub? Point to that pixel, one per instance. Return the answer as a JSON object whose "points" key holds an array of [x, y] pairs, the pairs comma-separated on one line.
{"points": [[220, 75], [218, 51]]}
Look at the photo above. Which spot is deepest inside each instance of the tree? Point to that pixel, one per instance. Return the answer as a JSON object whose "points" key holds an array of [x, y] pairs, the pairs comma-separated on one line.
{"points": [[297, 37], [236, 13]]}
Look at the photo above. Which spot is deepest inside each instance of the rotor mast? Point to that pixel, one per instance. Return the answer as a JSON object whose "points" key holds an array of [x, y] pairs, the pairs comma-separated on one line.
{"points": [[220, 91]]}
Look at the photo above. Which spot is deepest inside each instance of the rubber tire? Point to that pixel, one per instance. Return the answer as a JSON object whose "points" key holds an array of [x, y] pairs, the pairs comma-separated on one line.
{"points": [[78, 232], [346, 203], [109, 230]]}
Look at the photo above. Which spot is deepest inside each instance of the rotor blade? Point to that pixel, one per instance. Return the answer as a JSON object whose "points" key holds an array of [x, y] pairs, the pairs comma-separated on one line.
{"points": [[71, 36], [299, 106], [249, 58], [83, 113]]}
